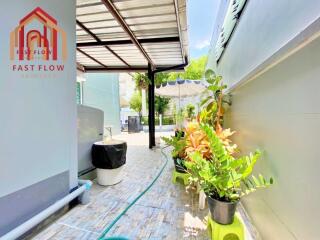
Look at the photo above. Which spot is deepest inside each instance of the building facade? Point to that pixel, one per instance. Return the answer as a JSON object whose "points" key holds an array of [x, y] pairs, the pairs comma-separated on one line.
{"points": [[271, 65], [101, 91]]}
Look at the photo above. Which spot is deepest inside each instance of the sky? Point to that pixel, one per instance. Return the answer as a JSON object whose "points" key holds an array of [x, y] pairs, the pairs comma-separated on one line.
{"points": [[201, 17]]}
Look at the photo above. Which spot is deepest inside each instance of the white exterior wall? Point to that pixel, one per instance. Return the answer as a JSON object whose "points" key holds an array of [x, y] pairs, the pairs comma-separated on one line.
{"points": [[278, 111], [38, 114], [38, 143], [264, 27]]}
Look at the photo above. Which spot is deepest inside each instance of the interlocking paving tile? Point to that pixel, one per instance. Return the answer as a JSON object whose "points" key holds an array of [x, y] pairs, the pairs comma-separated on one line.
{"points": [[167, 211]]}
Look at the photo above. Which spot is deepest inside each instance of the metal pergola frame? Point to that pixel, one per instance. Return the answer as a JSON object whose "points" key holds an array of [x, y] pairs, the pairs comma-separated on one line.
{"points": [[151, 68]]}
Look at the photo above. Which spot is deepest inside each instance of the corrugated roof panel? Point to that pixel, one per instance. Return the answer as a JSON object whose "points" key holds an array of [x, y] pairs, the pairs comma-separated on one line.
{"points": [[145, 18], [121, 5], [85, 39], [95, 17], [85, 2], [113, 30], [111, 63], [156, 18], [113, 36], [156, 46], [124, 47], [102, 23], [154, 26], [91, 9], [84, 60], [138, 12], [164, 51], [157, 32], [168, 55]]}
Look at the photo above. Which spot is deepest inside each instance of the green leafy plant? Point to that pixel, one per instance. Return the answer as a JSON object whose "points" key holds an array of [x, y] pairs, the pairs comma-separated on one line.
{"points": [[225, 177], [190, 108], [211, 104], [179, 119], [166, 120], [178, 143], [141, 81]]}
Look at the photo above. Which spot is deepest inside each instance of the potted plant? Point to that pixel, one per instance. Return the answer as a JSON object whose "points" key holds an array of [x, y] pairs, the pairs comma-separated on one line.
{"points": [[190, 111], [224, 178], [141, 81], [179, 123], [178, 152]]}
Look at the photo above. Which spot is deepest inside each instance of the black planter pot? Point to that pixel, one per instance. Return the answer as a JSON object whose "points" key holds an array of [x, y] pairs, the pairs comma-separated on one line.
{"points": [[222, 212], [179, 166]]}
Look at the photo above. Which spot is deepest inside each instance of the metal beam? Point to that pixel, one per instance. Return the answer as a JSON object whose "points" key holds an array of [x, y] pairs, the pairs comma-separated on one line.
{"points": [[99, 41], [151, 116], [179, 27], [116, 69], [112, 9], [135, 68], [129, 42], [80, 67], [92, 58], [176, 67]]}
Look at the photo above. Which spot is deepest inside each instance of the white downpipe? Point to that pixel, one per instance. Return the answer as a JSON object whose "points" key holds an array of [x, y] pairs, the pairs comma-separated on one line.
{"points": [[82, 191]]}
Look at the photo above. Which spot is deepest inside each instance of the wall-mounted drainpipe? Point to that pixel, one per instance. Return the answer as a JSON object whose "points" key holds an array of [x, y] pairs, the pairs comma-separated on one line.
{"points": [[82, 192]]}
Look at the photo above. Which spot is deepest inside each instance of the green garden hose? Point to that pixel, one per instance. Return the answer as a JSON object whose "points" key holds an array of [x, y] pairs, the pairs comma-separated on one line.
{"points": [[103, 235]]}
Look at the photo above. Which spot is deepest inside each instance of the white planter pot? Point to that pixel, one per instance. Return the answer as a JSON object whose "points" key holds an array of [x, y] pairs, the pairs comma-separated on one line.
{"points": [[107, 177]]}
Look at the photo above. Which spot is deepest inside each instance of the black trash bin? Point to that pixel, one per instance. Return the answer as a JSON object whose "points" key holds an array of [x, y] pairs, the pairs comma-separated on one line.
{"points": [[109, 157], [134, 125]]}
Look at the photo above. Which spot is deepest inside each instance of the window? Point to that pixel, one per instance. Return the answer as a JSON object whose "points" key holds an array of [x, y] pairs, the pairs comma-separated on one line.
{"points": [[231, 18], [79, 92]]}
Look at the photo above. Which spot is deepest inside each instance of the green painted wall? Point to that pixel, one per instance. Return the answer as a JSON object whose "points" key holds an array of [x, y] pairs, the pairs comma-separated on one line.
{"points": [[101, 90]]}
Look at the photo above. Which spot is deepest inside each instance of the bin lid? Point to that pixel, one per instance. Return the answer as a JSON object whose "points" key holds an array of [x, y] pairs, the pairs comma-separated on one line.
{"points": [[109, 142]]}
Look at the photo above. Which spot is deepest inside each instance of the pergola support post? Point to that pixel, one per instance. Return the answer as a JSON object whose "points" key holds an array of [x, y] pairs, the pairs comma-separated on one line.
{"points": [[151, 117]]}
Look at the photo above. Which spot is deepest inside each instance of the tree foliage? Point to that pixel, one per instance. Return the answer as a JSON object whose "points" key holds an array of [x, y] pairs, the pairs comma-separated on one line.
{"points": [[194, 71], [161, 104], [136, 102]]}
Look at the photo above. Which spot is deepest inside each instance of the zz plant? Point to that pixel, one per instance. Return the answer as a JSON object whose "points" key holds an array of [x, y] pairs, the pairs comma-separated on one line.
{"points": [[211, 103], [215, 102], [224, 177]]}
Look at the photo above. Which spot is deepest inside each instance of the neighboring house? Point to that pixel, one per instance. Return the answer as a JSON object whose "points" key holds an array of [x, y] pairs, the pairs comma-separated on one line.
{"points": [[271, 65], [126, 90], [126, 86], [101, 91]]}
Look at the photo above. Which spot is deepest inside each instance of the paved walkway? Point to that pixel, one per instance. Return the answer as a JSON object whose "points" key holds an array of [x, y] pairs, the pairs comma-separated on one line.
{"points": [[167, 211]]}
